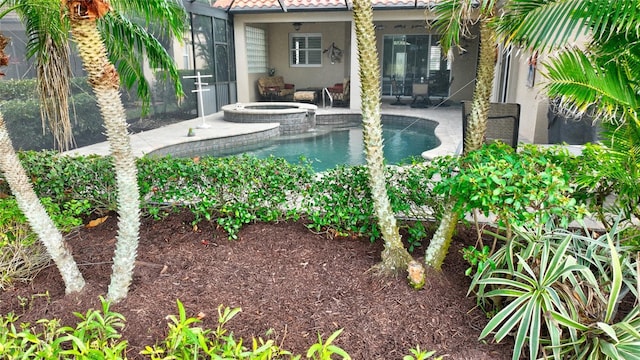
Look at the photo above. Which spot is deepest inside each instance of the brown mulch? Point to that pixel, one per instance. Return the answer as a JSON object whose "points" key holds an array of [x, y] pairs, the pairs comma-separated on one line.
{"points": [[284, 277]]}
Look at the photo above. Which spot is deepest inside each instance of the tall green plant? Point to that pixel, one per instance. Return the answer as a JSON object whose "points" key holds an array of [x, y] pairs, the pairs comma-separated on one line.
{"points": [[395, 257], [559, 293], [596, 333], [531, 288]]}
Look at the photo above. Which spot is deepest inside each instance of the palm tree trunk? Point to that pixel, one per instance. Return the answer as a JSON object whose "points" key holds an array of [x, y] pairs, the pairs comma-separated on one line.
{"points": [[477, 121], [38, 218], [477, 128], [395, 257], [104, 79], [439, 246]]}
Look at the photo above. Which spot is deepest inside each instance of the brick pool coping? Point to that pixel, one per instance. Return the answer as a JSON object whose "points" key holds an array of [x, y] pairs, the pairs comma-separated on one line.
{"points": [[294, 118]]}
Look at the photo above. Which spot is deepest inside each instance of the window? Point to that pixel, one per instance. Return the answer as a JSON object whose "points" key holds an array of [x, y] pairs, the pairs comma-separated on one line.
{"points": [[305, 49], [434, 58], [256, 49]]}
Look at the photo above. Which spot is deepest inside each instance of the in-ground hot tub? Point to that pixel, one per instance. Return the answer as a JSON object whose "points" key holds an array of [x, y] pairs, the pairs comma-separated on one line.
{"points": [[294, 118]]}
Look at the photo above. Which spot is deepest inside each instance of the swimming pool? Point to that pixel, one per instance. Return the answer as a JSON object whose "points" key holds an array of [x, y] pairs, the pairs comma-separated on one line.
{"points": [[327, 147]]}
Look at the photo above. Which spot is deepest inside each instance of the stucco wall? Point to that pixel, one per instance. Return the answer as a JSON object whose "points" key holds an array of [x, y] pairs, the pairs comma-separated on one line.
{"points": [[303, 77], [533, 111]]}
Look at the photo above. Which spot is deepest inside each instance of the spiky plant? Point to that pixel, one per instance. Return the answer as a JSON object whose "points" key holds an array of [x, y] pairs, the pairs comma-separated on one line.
{"points": [[104, 80], [395, 257]]}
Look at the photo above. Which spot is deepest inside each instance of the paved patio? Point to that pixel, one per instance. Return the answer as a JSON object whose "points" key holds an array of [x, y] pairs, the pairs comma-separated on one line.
{"points": [[449, 130]]}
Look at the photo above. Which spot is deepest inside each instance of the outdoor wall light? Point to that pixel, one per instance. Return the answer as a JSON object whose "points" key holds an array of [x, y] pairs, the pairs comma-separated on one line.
{"points": [[297, 25]]}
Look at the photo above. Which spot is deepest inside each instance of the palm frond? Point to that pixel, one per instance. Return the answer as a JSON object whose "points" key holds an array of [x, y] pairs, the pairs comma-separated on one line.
{"points": [[126, 43], [453, 19], [48, 43], [624, 50], [575, 78], [608, 18], [167, 16], [541, 24]]}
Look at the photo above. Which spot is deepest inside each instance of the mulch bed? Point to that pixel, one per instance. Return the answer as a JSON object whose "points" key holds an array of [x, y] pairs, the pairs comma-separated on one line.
{"points": [[287, 280]]}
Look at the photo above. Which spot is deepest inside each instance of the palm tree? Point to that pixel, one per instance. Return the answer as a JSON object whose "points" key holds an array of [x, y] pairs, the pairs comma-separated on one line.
{"points": [[395, 258], [22, 188], [48, 35], [602, 78], [105, 81], [453, 19]]}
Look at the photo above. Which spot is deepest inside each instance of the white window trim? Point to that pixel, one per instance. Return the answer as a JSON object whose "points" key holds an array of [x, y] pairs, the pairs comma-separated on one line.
{"points": [[306, 35]]}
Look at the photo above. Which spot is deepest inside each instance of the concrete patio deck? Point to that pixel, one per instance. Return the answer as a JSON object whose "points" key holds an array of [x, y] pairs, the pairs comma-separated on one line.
{"points": [[449, 130]]}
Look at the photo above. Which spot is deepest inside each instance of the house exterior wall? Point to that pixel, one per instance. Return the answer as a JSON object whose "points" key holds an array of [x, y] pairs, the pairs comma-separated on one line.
{"points": [[336, 27], [304, 77], [534, 105]]}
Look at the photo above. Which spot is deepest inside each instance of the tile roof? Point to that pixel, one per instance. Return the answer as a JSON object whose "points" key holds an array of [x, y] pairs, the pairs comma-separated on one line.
{"points": [[310, 5]]}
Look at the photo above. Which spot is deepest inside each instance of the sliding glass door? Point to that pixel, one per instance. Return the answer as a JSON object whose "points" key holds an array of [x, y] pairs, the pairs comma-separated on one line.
{"points": [[412, 59]]}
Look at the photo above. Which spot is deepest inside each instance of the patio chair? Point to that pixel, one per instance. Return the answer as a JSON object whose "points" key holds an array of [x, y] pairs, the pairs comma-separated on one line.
{"points": [[396, 89], [340, 92], [420, 91], [503, 122]]}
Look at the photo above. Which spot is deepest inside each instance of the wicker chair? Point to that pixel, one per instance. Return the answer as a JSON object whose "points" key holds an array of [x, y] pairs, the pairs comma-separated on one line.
{"points": [[503, 122], [274, 88]]}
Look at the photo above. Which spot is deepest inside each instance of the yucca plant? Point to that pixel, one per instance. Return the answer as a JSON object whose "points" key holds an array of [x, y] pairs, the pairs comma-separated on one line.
{"points": [[597, 334], [532, 291]]}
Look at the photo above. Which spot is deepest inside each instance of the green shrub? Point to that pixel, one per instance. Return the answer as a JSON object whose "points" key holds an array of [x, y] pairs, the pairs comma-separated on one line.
{"points": [[25, 125], [339, 201], [80, 85], [560, 296], [233, 190], [22, 90], [64, 178], [521, 188]]}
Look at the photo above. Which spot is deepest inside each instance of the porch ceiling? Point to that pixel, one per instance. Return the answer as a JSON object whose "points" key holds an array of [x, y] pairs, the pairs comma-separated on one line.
{"points": [[240, 6]]}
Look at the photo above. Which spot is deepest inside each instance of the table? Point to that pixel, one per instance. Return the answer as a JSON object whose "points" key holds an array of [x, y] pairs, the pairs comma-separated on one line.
{"points": [[310, 94]]}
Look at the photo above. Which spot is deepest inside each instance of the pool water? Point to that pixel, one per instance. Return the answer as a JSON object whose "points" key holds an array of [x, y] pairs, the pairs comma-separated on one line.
{"points": [[327, 148]]}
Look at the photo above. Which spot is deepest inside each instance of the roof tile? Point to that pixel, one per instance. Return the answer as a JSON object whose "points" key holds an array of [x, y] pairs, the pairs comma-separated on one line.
{"points": [[271, 5]]}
